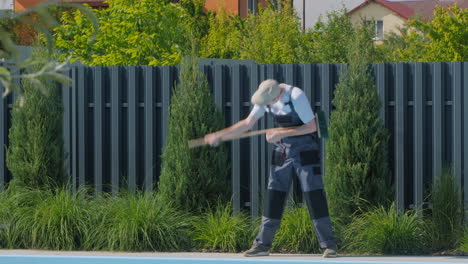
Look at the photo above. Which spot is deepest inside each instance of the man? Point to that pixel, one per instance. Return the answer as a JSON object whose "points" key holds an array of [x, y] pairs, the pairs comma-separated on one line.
{"points": [[296, 148]]}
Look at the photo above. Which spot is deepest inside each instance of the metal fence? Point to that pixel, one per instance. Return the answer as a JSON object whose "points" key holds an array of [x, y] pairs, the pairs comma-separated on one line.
{"points": [[115, 123]]}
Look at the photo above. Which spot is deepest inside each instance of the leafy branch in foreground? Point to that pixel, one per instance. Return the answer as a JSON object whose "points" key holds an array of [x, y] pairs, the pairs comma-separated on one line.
{"points": [[36, 70]]}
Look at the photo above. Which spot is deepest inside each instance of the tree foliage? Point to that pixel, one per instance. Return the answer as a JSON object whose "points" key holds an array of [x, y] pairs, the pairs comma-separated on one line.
{"points": [[444, 38], [146, 32], [35, 154], [356, 157], [195, 178]]}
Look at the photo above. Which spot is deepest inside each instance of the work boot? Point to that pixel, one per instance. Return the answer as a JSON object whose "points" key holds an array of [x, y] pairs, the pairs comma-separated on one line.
{"points": [[257, 251], [330, 252]]}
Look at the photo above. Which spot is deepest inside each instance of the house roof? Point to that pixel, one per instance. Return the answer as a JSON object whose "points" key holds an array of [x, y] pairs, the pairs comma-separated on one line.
{"points": [[407, 9], [93, 3]]}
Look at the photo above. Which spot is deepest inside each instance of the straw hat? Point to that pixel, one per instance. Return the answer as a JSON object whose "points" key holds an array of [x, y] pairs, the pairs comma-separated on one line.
{"points": [[266, 92]]}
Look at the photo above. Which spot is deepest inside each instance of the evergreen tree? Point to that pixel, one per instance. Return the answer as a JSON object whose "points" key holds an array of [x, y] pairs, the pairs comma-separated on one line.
{"points": [[357, 172], [35, 154], [192, 179]]}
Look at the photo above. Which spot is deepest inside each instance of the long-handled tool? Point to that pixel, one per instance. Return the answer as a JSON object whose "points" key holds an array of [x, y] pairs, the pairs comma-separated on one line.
{"points": [[321, 128]]}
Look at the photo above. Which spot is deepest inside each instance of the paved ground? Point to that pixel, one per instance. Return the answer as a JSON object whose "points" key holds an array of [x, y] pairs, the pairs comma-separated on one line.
{"points": [[423, 259]]}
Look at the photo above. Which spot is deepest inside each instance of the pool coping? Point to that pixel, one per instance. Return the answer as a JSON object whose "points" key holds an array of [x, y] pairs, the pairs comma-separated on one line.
{"points": [[199, 255]]}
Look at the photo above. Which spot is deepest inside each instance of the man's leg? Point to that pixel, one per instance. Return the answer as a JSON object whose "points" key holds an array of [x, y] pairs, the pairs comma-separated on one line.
{"points": [[278, 186]]}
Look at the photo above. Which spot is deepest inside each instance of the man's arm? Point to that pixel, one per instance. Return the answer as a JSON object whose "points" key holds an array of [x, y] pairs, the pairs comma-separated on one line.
{"points": [[242, 126]]}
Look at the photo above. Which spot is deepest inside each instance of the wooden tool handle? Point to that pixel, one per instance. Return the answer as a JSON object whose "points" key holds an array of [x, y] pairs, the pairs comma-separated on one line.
{"points": [[201, 141]]}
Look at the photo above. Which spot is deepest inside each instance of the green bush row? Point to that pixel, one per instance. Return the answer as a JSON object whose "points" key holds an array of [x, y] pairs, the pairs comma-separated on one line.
{"points": [[63, 220]]}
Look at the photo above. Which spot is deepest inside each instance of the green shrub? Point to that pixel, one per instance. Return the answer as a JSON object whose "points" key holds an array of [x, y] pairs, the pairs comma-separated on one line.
{"points": [[35, 154], [192, 179], [219, 230], [357, 170], [136, 222], [296, 233], [446, 217], [44, 219], [275, 36], [464, 241], [385, 231]]}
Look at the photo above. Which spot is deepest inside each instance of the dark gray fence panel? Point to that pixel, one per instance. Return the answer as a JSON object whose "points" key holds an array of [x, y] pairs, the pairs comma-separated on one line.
{"points": [[465, 136], [437, 129], [149, 128], [3, 137], [457, 121], [132, 127], [115, 123], [99, 108], [400, 112], [419, 134]]}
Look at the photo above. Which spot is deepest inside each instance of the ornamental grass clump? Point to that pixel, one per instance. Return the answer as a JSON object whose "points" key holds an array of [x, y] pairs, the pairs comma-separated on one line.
{"points": [[137, 222], [445, 218], [220, 230], [296, 233], [385, 231]]}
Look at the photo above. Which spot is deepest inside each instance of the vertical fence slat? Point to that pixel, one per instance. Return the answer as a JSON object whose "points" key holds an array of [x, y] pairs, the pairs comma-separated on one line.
{"points": [[325, 105], [98, 129], [382, 90], [235, 149], [132, 128], [74, 143], [465, 136], [3, 136], [82, 109], [149, 128], [400, 114], [437, 111], [457, 121], [419, 135], [66, 126], [166, 98], [254, 147], [218, 87], [263, 145], [308, 76], [115, 127]]}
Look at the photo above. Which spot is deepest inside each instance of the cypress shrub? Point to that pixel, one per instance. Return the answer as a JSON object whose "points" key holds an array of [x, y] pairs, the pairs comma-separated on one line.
{"points": [[35, 154], [356, 154], [191, 179]]}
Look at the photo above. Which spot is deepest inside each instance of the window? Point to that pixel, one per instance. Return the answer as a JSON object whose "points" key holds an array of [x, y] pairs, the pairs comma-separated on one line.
{"points": [[378, 29], [252, 6]]}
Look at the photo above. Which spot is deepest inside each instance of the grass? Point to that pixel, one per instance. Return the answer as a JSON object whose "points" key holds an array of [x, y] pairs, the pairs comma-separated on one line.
{"points": [[446, 216], [385, 231], [137, 222], [44, 219], [296, 233], [219, 230]]}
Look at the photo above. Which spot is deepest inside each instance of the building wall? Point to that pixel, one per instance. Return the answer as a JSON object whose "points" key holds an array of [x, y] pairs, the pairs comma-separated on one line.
{"points": [[6, 5], [373, 11], [21, 5]]}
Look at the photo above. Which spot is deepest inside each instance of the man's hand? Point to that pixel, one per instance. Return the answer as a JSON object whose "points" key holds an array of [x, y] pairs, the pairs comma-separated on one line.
{"points": [[275, 135], [212, 139]]}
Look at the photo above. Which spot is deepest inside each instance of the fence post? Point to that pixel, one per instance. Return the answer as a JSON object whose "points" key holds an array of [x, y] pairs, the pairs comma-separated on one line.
{"points": [[149, 128], [437, 111], [115, 91], [254, 152], [419, 135], [457, 121], [465, 136], [132, 126], [98, 128], [235, 145], [3, 137], [400, 115]]}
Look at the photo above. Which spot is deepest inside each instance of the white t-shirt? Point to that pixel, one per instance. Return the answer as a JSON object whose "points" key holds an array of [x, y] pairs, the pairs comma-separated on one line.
{"points": [[298, 99]]}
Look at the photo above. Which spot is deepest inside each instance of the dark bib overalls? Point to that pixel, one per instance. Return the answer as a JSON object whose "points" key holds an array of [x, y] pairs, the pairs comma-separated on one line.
{"points": [[301, 154]]}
